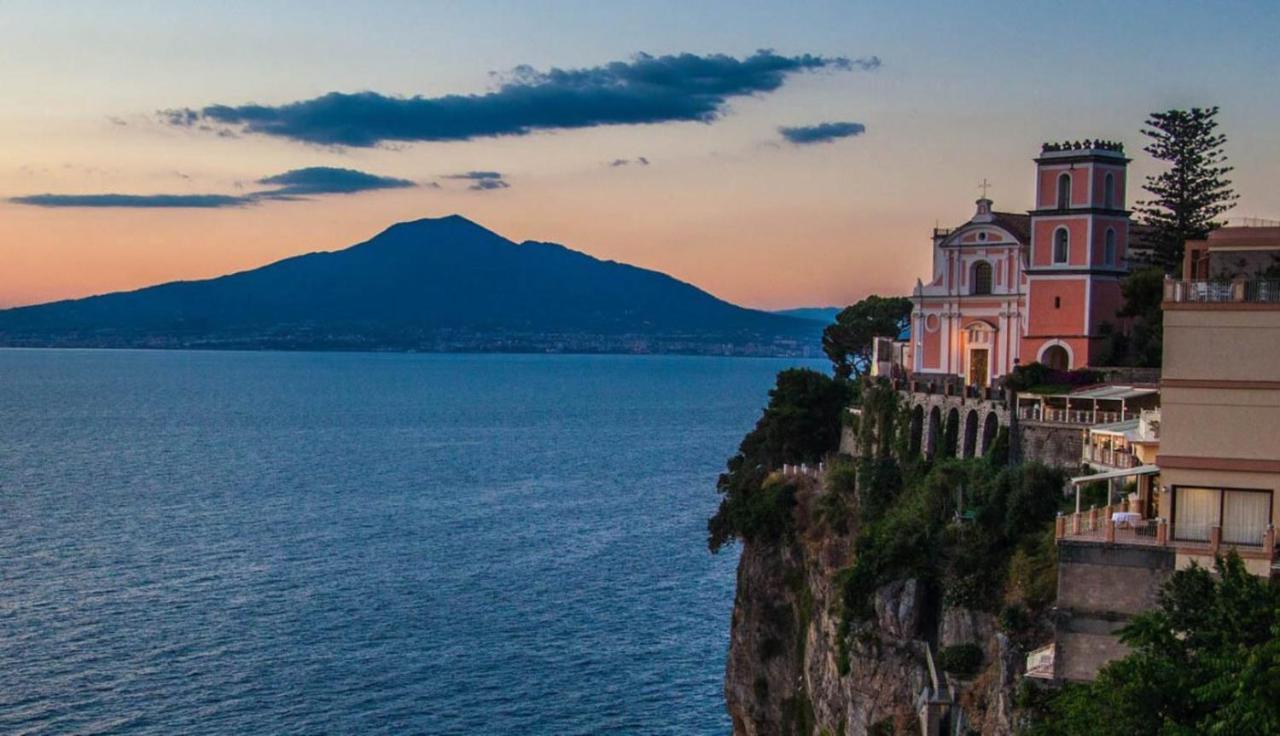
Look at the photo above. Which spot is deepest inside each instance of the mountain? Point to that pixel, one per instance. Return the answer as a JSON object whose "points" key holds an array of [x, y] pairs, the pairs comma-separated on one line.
{"points": [[825, 315], [431, 284]]}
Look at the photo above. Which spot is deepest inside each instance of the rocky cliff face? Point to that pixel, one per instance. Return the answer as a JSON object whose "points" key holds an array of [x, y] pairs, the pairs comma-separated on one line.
{"points": [[787, 672]]}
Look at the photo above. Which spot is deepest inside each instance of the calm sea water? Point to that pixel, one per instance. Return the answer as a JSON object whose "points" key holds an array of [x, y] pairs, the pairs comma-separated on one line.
{"points": [[275, 543]]}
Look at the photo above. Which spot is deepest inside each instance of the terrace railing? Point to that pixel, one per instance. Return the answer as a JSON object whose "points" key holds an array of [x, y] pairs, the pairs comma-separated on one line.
{"points": [[1078, 417], [1255, 291], [1111, 458], [1099, 525]]}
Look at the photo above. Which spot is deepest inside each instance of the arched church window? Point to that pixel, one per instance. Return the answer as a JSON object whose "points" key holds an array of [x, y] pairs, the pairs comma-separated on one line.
{"points": [[981, 278], [1064, 191], [1109, 249], [1109, 191], [1061, 245]]}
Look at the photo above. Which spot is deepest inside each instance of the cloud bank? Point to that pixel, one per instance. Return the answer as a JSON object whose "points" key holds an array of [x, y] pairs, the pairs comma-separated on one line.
{"points": [[293, 184], [802, 135], [482, 181], [202, 201], [645, 90], [327, 180]]}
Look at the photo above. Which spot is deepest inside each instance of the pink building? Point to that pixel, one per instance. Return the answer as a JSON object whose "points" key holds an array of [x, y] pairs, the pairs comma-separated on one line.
{"points": [[1011, 288]]}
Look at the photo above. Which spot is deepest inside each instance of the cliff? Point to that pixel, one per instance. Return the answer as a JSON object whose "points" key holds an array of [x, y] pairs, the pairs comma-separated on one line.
{"points": [[792, 670]]}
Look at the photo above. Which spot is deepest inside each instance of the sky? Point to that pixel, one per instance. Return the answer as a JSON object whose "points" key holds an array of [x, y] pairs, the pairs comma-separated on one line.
{"points": [[774, 154]]}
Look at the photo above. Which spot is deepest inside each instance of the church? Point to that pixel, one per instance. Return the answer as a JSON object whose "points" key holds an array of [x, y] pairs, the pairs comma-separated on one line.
{"points": [[1013, 288]]}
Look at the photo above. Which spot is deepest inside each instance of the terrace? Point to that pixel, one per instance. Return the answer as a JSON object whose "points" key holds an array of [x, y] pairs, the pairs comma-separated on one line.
{"points": [[1203, 523], [1123, 445], [1222, 291], [1104, 404]]}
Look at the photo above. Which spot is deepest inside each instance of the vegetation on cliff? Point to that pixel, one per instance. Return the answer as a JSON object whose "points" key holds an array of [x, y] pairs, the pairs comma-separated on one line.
{"points": [[1207, 661], [801, 424]]}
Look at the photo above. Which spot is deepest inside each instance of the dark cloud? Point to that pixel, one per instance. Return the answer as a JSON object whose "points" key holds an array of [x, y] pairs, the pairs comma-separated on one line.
{"points": [[821, 133], [328, 180], [482, 181], [291, 185], [203, 201], [638, 161], [646, 89]]}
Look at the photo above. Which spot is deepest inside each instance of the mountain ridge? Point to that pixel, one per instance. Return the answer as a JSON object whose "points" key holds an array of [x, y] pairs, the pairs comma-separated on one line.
{"points": [[428, 284]]}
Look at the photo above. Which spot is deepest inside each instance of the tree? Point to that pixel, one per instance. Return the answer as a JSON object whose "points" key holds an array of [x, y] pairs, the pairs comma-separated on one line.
{"points": [[848, 341], [1207, 661], [801, 424], [1188, 196], [1143, 292]]}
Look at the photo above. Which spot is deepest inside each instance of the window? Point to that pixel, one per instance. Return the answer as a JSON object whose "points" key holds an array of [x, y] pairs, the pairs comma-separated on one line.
{"points": [[1061, 245], [1109, 191], [1057, 302], [1243, 515], [1109, 250], [1064, 191], [981, 278], [1196, 511]]}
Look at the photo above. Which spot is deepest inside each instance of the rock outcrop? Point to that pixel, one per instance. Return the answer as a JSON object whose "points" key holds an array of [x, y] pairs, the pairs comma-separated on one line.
{"points": [[789, 672]]}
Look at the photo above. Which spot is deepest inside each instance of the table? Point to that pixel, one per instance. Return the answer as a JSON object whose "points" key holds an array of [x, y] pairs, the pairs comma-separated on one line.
{"points": [[1125, 518]]}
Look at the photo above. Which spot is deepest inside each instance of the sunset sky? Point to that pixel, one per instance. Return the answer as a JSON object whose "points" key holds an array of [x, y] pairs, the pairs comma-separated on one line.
{"points": [[652, 133]]}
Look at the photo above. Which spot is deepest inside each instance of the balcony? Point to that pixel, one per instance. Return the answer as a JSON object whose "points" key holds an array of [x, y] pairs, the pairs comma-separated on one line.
{"points": [[1102, 456], [1075, 417], [1242, 291], [1114, 524]]}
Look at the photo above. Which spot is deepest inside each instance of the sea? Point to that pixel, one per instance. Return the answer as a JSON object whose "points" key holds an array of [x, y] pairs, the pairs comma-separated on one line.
{"points": [[362, 543]]}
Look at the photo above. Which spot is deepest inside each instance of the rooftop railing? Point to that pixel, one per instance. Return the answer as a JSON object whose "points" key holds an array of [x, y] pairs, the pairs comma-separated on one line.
{"points": [[1256, 291]]}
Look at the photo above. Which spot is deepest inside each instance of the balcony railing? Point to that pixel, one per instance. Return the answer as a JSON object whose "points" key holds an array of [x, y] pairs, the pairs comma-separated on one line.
{"points": [[1079, 417], [1257, 291], [1112, 525], [1111, 458]]}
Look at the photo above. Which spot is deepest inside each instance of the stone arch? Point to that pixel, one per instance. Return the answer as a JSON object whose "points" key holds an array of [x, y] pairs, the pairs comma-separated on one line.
{"points": [[990, 426], [951, 433], [970, 443], [915, 443], [933, 437], [1056, 356]]}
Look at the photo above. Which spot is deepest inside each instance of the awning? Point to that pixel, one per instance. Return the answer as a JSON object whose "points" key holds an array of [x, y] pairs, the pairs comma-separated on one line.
{"points": [[1112, 393], [1140, 470]]}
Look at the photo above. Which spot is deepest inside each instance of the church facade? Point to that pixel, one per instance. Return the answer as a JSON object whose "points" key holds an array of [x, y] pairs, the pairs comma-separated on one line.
{"points": [[1014, 288]]}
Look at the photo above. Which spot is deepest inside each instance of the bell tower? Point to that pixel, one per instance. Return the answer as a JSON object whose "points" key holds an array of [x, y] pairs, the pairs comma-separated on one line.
{"points": [[1079, 238]]}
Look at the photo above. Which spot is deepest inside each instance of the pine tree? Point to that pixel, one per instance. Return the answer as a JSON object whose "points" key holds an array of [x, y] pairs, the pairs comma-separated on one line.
{"points": [[1187, 197]]}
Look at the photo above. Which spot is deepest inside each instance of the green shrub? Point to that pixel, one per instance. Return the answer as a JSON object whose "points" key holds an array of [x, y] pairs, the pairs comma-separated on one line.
{"points": [[801, 424], [1014, 619], [961, 660]]}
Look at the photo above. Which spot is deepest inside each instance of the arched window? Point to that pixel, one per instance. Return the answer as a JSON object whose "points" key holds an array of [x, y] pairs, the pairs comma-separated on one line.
{"points": [[1061, 245], [1109, 250], [981, 278], [1109, 191], [1064, 191]]}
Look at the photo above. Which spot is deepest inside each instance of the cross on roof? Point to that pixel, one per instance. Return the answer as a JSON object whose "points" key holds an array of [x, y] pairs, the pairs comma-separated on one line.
{"points": [[984, 186]]}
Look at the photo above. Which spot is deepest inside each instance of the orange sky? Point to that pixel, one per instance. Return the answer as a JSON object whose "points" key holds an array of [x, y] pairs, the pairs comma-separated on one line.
{"points": [[727, 206]]}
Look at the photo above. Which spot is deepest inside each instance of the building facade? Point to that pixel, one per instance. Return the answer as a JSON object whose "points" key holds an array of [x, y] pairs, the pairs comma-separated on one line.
{"points": [[1220, 450], [1010, 288]]}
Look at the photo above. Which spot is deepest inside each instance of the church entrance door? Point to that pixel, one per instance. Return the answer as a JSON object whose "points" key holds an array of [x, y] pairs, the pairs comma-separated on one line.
{"points": [[978, 366]]}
